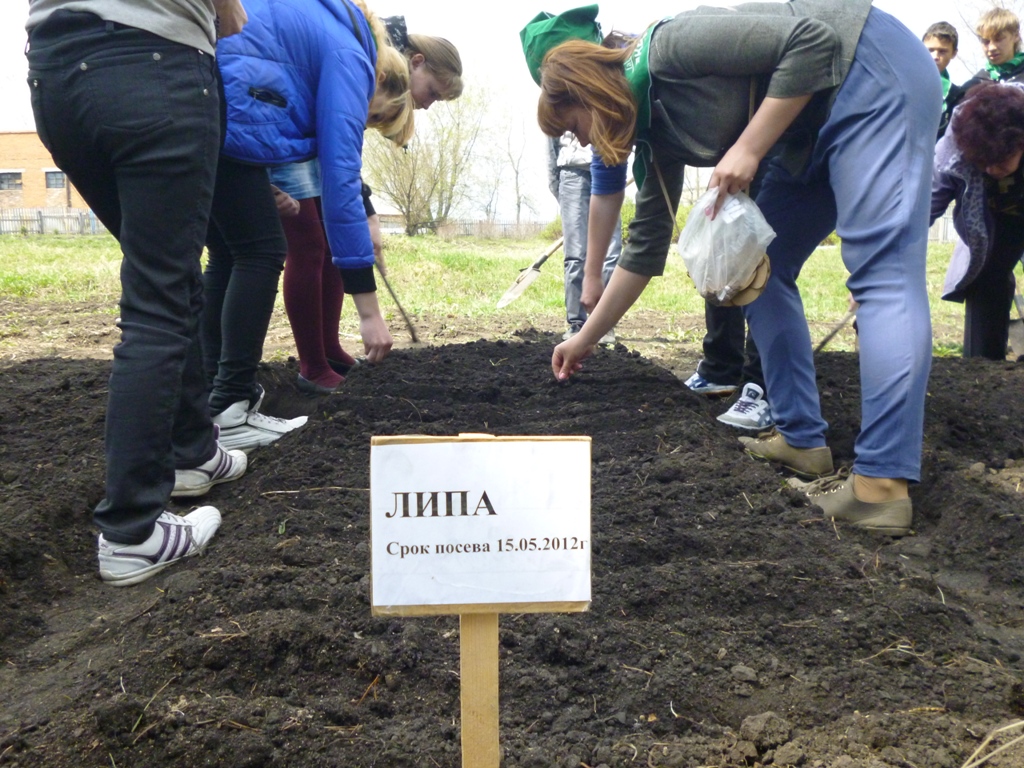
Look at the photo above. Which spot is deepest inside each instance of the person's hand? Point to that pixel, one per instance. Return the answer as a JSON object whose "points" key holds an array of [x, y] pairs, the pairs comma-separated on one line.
{"points": [[378, 243], [377, 341], [568, 356], [286, 204], [231, 17], [593, 288], [734, 173]]}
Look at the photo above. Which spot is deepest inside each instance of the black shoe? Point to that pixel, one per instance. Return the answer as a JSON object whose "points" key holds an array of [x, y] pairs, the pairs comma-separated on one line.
{"points": [[341, 368]]}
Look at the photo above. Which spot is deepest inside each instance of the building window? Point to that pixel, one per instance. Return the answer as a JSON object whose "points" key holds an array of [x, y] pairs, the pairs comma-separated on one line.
{"points": [[54, 180], [10, 180]]}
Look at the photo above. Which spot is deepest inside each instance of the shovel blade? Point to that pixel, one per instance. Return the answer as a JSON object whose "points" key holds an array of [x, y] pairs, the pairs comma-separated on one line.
{"points": [[522, 282]]}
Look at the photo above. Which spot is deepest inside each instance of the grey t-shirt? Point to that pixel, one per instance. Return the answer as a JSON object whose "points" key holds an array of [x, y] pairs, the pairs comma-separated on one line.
{"points": [[189, 22]]}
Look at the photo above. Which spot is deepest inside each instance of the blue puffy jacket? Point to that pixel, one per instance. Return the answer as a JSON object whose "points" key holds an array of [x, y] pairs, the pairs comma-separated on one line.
{"points": [[298, 82]]}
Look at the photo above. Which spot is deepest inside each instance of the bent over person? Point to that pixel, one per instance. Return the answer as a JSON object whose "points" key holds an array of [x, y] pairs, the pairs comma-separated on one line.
{"points": [[852, 98], [125, 98]]}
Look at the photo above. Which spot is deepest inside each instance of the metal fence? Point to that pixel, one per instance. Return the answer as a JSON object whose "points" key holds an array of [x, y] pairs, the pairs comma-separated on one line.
{"points": [[942, 230], [490, 229], [49, 221], [73, 221]]}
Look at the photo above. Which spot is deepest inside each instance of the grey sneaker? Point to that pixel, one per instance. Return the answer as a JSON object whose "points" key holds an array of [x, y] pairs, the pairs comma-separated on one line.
{"points": [[571, 331], [246, 428], [608, 340], [772, 446], [751, 411], [224, 467], [174, 538], [834, 494], [702, 386]]}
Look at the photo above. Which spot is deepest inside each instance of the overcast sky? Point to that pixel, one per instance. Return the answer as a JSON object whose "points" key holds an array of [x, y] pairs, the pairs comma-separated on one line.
{"points": [[487, 36]]}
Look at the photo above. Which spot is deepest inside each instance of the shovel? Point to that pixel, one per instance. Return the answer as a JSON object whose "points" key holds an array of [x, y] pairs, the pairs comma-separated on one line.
{"points": [[527, 276], [850, 314], [530, 274], [408, 322], [1017, 328]]}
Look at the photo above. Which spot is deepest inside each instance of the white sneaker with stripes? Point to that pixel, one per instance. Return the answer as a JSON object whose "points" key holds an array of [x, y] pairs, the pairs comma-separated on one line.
{"points": [[224, 467], [174, 538]]}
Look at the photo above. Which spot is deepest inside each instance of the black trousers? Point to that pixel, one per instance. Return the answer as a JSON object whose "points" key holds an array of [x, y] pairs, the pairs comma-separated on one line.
{"points": [[987, 300], [133, 120], [730, 355], [247, 248]]}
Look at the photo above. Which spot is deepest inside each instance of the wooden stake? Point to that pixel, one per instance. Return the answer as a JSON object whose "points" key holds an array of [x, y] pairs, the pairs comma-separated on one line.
{"points": [[478, 638]]}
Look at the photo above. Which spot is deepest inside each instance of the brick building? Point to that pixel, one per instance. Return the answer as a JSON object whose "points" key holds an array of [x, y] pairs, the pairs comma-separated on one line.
{"points": [[28, 177]]}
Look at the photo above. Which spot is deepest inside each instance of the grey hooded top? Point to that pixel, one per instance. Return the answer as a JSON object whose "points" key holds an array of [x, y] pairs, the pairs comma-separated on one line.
{"points": [[705, 65]]}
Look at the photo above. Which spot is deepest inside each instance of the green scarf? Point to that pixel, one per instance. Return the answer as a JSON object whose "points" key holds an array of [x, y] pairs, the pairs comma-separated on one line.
{"points": [[638, 73], [998, 71], [946, 84]]}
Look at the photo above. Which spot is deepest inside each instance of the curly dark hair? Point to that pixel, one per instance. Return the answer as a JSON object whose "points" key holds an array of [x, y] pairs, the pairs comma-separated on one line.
{"points": [[989, 125]]}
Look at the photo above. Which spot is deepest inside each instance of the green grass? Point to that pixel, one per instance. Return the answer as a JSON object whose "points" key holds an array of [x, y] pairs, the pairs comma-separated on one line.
{"points": [[462, 278], [63, 268]]}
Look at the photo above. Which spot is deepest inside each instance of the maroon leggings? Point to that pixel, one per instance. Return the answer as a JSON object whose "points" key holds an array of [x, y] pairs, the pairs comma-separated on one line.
{"points": [[313, 294]]}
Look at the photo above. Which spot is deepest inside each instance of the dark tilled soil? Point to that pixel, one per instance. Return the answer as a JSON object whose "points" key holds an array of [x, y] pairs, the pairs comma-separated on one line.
{"points": [[730, 625]]}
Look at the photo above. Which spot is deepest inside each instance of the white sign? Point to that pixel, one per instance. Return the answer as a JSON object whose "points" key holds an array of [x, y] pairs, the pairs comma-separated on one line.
{"points": [[479, 524]]}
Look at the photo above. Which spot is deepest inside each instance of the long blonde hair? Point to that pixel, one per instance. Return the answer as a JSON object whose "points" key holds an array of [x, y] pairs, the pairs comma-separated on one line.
{"points": [[442, 59], [392, 79], [582, 74]]}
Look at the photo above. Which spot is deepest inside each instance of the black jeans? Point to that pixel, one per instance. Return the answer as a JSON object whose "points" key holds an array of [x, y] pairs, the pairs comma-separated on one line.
{"points": [[247, 248], [133, 120], [988, 299], [724, 345]]}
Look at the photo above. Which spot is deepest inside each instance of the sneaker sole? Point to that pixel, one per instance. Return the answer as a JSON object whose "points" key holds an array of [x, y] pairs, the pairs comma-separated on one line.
{"points": [[738, 425], [200, 490], [135, 577], [246, 443], [888, 530], [886, 523], [714, 392]]}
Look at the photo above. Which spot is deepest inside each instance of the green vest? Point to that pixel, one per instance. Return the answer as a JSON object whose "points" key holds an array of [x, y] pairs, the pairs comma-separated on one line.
{"points": [[638, 73]]}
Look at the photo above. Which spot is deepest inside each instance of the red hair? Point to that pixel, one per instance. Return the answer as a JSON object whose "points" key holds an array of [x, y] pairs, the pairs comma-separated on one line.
{"points": [[989, 126]]}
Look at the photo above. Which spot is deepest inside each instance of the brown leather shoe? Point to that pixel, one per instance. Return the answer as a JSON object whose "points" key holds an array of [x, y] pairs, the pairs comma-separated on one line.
{"points": [[806, 462], [834, 494]]}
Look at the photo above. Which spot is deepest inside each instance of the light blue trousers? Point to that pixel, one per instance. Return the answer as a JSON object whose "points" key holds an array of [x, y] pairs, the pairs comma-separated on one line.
{"points": [[870, 179], [574, 205]]}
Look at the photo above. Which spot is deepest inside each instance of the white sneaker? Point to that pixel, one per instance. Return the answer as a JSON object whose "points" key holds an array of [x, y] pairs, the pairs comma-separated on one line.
{"points": [[224, 467], [173, 539], [751, 411], [608, 340], [246, 428]]}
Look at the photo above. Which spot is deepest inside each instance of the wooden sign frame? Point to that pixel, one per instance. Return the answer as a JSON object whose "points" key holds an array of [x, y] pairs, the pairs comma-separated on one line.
{"points": [[478, 626]]}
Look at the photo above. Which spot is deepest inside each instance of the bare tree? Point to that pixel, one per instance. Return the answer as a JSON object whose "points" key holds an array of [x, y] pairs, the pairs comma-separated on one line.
{"points": [[427, 180], [515, 147]]}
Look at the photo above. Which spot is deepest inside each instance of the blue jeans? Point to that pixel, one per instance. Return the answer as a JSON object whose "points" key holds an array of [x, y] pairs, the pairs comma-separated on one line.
{"points": [[133, 120], [300, 180], [870, 179], [574, 205]]}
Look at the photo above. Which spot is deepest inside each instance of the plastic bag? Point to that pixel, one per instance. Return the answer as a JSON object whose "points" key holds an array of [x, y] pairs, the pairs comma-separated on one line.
{"points": [[723, 255]]}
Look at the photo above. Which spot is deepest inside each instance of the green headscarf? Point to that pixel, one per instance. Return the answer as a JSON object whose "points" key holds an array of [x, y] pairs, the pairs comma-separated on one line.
{"points": [[545, 31]]}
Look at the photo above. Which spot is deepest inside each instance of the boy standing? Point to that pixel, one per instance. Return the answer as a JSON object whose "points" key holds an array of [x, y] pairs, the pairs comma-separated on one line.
{"points": [[998, 31], [941, 40]]}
